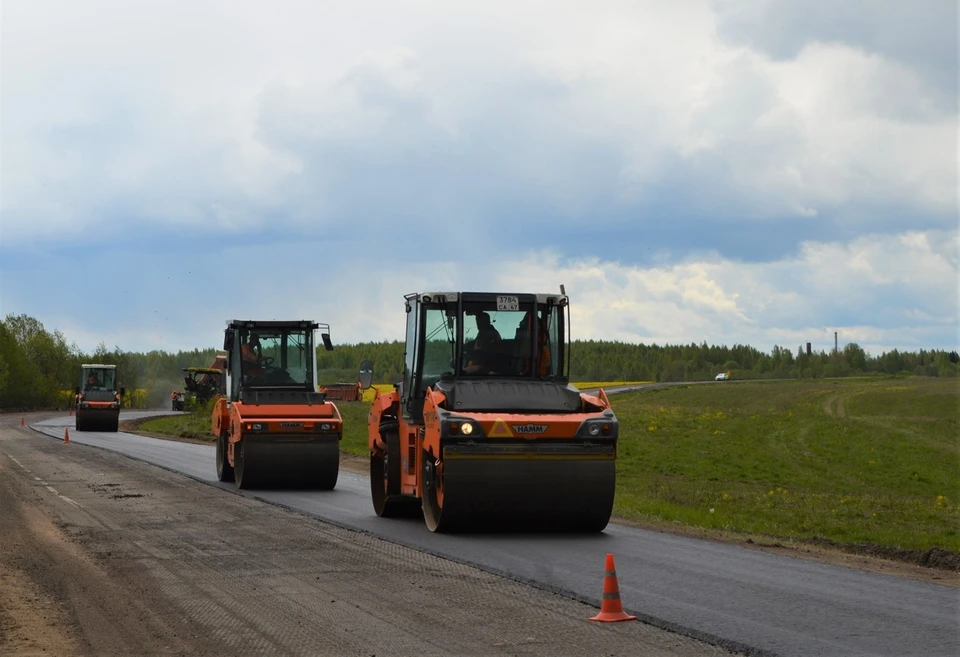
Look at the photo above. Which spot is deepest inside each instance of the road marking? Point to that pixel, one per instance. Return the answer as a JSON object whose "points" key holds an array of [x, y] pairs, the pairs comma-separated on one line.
{"points": [[64, 497], [54, 490], [25, 468]]}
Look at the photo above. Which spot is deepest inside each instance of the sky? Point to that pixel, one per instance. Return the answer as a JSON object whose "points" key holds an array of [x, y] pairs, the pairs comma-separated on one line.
{"points": [[721, 171]]}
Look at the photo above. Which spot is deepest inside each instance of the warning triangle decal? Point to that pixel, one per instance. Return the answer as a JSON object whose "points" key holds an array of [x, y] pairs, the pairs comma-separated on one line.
{"points": [[500, 430]]}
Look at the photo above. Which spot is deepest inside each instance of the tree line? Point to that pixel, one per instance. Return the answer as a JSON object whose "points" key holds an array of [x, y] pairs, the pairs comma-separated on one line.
{"points": [[38, 366], [603, 360]]}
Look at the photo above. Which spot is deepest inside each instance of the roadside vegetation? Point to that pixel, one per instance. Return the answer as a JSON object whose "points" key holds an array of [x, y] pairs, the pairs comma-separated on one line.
{"points": [[39, 369]]}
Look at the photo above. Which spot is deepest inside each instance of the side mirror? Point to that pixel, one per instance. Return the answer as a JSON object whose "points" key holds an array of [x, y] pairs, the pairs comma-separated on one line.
{"points": [[326, 341], [366, 374], [123, 391], [228, 340]]}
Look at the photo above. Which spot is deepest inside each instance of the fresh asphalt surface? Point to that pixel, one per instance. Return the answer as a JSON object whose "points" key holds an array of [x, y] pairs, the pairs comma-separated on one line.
{"points": [[742, 599]]}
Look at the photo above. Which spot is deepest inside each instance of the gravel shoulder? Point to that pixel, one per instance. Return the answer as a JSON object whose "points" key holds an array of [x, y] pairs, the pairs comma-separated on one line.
{"points": [[105, 555]]}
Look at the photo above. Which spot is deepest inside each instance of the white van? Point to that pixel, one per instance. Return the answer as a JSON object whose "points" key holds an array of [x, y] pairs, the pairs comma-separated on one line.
{"points": [[721, 377]]}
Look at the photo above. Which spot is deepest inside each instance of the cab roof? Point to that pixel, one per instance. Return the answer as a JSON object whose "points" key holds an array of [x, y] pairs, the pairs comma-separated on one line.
{"points": [[452, 297], [272, 323]]}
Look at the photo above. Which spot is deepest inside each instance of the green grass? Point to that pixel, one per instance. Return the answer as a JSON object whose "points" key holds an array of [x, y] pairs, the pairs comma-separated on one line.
{"points": [[853, 461], [849, 461], [191, 425], [354, 416]]}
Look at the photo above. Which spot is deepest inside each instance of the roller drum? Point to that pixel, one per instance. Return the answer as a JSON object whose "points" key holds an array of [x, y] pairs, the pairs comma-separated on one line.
{"points": [[98, 419], [278, 462], [534, 488]]}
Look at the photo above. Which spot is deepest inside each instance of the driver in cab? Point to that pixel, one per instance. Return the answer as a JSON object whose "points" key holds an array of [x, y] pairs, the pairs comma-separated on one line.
{"points": [[483, 350], [250, 354]]}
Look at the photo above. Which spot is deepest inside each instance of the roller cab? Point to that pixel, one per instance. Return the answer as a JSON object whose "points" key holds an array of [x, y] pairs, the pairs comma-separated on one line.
{"points": [[97, 399], [485, 432], [274, 428]]}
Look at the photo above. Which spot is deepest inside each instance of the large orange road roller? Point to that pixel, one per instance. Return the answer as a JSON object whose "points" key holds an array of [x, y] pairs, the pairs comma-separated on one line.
{"points": [[485, 432], [273, 428], [97, 398]]}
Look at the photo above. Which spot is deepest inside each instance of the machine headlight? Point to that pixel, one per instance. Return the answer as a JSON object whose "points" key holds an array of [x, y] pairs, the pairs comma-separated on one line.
{"points": [[598, 428], [84, 405], [324, 427], [462, 427]]}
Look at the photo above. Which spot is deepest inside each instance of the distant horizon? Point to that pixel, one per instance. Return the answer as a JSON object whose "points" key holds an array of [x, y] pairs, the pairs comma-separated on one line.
{"points": [[793, 349]]}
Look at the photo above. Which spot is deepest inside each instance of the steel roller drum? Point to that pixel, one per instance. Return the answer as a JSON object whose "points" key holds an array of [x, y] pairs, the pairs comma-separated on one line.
{"points": [[536, 488], [288, 461]]}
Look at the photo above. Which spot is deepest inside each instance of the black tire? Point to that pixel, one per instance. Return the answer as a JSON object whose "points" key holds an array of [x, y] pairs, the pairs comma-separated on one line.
{"points": [[241, 475], [224, 469], [432, 511], [385, 478]]}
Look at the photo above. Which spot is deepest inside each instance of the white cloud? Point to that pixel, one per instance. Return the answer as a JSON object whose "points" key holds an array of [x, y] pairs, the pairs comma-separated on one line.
{"points": [[228, 116], [883, 292], [528, 131]]}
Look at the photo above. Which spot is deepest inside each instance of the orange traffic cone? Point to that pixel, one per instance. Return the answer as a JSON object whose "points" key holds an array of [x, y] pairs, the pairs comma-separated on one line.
{"points": [[66, 435], [610, 608], [21, 420]]}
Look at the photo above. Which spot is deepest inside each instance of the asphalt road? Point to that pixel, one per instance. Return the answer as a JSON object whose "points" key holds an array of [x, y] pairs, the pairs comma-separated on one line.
{"points": [[107, 556], [737, 598]]}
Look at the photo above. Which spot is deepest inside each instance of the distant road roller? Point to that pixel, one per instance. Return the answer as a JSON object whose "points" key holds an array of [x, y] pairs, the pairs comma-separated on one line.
{"points": [[274, 429], [97, 399], [485, 432]]}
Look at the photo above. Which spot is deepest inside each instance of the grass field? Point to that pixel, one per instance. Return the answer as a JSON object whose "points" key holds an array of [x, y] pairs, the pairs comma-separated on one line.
{"points": [[849, 461], [863, 461]]}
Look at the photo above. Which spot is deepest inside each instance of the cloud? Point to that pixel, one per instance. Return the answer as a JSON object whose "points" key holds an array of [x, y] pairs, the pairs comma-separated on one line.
{"points": [[699, 170], [883, 291], [629, 115], [921, 34]]}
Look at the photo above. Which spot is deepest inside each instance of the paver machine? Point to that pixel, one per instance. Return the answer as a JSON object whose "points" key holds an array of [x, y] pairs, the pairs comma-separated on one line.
{"points": [[97, 398], [351, 391], [485, 432], [273, 427], [201, 384]]}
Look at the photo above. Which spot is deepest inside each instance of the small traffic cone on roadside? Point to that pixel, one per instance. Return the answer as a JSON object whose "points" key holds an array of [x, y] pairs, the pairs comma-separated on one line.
{"points": [[21, 421], [66, 435], [611, 610]]}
